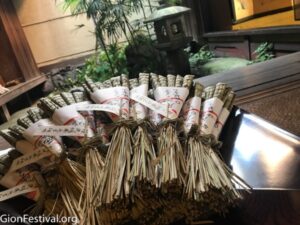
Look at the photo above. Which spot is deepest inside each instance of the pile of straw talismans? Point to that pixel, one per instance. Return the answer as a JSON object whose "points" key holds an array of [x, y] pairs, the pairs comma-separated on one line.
{"points": [[123, 150]]}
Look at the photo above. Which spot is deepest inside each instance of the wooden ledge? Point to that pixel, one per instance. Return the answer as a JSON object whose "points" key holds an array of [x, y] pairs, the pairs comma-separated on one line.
{"points": [[20, 89], [293, 29], [259, 77]]}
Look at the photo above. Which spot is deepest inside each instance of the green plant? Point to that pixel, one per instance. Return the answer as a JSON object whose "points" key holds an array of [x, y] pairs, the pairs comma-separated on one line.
{"points": [[173, 2], [263, 53], [110, 18], [201, 57], [97, 67], [142, 56]]}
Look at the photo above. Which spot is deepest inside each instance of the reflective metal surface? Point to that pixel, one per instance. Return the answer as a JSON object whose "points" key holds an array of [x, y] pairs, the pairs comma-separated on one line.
{"points": [[264, 155]]}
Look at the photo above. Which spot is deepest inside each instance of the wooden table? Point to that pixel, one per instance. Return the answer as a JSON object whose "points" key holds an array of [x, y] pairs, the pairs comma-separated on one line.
{"points": [[257, 78], [269, 89]]}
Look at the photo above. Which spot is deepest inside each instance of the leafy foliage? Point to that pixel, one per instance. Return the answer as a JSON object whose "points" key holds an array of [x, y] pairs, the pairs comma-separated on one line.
{"points": [[142, 56], [201, 57], [97, 67], [173, 2], [110, 18], [263, 53]]}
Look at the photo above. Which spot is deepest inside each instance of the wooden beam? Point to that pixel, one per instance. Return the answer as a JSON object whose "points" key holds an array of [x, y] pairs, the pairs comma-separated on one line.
{"points": [[261, 76], [18, 40], [255, 32]]}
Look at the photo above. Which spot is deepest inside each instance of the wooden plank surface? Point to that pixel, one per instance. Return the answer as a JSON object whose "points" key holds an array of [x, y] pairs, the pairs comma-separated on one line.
{"points": [[52, 31], [260, 76], [60, 38], [275, 90], [254, 32], [37, 11], [21, 88], [273, 20]]}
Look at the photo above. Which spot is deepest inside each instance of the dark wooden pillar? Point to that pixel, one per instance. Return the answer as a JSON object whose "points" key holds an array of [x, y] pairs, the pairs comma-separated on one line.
{"points": [[16, 59], [19, 47]]}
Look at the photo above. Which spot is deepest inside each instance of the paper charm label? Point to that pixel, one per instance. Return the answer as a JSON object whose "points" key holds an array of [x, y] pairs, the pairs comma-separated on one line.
{"points": [[20, 189], [50, 142], [220, 122], [138, 110], [68, 130], [117, 96], [86, 113], [211, 110], [99, 107], [155, 117], [174, 97], [25, 147], [155, 106], [191, 112], [68, 115], [12, 179], [29, 158]]}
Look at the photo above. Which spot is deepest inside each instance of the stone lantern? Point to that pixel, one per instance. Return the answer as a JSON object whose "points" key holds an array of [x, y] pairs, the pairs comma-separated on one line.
{"points": [[170, 30]]}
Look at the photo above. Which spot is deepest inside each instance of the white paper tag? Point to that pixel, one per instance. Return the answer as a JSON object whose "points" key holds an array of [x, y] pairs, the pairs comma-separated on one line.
{"points": [[117, 96], [69, 130], [155, 118], [29, 158], [211, 110], [87, 114], [220, 122], [20, 189], [65, 115], [174, 97], [138, 109], [99, 107], [42, 122], [25, 147], [155, 106], [50, 142], [191, 112], [12, 179], [69, 116]]}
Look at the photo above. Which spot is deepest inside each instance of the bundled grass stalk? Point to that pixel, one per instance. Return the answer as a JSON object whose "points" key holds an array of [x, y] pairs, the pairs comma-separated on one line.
{"points": [[101, 118], [71, 175], [210, 186], [113, 189], [71, 180], [93, 162], [191, 111], [68, 98], [171, 160], [143, 173], [178, 81], [232, 179]]}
